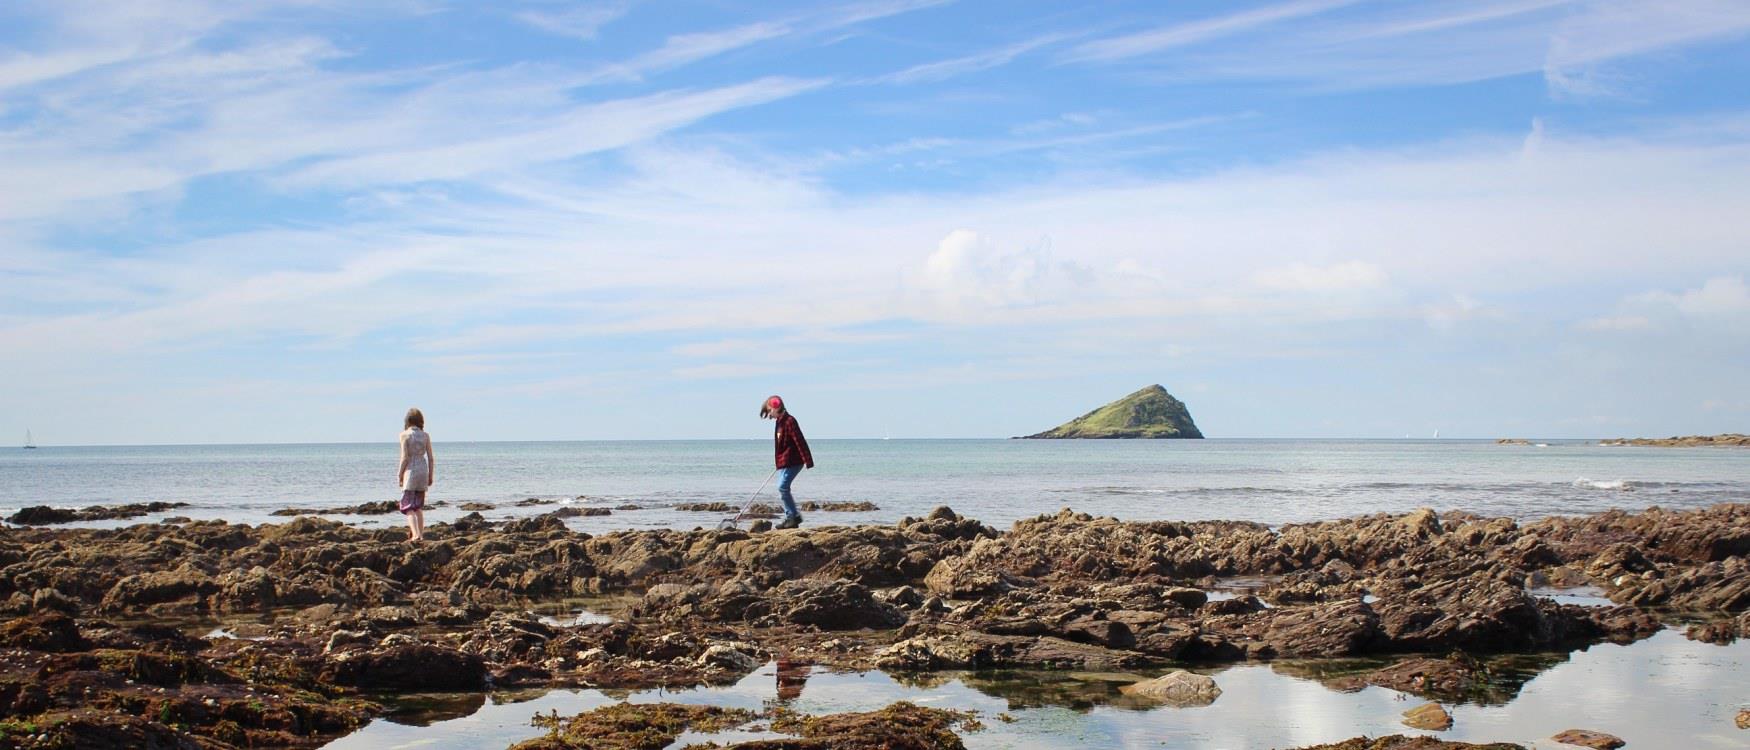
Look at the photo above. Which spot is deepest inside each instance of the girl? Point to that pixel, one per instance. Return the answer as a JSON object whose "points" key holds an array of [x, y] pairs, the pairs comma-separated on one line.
{"points": [[418, 470], [792, 456]]}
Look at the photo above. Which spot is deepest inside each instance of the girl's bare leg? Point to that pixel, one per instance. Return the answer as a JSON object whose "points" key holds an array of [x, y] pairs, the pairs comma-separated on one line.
{"points": [[412, 527], [419, 524]]}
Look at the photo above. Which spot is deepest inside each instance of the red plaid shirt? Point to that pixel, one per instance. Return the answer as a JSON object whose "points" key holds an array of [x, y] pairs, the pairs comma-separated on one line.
{"points": [[792, 447]]}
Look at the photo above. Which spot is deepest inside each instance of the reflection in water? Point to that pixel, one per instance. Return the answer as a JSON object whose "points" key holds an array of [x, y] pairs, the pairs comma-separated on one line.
{"points": [[1664, 691], [426, 710], [791, 677]]}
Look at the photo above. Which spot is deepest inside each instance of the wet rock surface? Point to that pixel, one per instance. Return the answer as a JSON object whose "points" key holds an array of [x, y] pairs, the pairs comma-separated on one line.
{"points": [[337, 615]]}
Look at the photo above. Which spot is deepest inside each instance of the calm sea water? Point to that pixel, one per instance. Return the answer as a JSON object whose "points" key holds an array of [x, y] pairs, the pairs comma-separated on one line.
{"points": [[998, 481]]}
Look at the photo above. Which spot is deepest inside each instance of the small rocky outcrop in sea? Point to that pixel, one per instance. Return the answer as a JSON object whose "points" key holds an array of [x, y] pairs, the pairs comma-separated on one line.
{"points": [[1149, 413], [44, 515]]}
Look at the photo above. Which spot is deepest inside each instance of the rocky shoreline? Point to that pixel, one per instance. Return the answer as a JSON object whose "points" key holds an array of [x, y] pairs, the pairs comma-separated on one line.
{"points": [[341, 617]]}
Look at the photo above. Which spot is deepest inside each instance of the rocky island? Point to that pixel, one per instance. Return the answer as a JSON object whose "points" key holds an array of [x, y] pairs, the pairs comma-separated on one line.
{"points": [[1149, 413]]}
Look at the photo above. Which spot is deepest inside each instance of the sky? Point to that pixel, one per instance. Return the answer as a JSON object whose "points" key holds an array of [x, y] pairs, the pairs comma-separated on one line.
{"points": [[289, 220]]}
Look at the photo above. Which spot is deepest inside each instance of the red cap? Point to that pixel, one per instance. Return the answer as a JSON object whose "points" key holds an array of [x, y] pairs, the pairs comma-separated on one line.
{"points": [[774, 403]]}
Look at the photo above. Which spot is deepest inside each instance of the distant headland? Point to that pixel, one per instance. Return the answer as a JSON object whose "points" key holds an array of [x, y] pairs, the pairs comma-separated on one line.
{"points": [[1730, 439], [1149, 413]]}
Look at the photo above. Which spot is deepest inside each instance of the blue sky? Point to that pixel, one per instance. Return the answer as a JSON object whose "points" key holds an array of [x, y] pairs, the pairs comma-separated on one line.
{"points": [[288, 220]]}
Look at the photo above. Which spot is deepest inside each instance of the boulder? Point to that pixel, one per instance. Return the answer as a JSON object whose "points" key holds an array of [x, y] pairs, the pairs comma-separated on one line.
{"points": [[1429, 716], [53, 632], [728, 657], [1176, 689], [402, 666], [832, 605], [1589, 738]]}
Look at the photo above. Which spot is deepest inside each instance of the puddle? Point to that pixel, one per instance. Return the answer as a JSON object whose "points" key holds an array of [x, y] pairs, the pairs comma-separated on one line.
{"points": [[571, 613], [223, 633], [1584, 596], [1665, 691]]}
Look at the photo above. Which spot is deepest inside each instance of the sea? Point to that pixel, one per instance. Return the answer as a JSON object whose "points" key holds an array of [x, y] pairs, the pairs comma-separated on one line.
{"points": [[996, 481]]}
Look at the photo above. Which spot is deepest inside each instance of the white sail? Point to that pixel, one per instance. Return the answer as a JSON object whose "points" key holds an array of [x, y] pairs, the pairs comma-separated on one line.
{"points": [[27, 441]]}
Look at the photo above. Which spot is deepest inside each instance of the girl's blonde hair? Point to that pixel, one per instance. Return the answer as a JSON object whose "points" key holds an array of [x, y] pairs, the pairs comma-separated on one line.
{"points": [[415, 418]]}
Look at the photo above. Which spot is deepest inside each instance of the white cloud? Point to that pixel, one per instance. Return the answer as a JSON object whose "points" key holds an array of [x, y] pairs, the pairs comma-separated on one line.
{"points": [[1617, 323], [1456, 309], [968, 271], [1720, 297], [1337, 277]]}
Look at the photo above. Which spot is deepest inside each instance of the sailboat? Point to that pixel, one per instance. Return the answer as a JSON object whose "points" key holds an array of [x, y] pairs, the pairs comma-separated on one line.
{"points": [[28, 443]]}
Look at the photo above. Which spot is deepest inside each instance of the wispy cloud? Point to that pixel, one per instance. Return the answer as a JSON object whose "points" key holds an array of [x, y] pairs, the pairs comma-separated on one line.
{"points": [[1194, 32], [581, 21], [942, 70]]}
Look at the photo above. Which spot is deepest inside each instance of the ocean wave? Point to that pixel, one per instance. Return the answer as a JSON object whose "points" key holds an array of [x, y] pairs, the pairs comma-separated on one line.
{"points": [[1617, 485]]}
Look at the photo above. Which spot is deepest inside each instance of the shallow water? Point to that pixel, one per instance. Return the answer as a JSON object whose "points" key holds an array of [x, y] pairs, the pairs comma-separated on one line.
{"points": [[997, 481], [1663, 692]]}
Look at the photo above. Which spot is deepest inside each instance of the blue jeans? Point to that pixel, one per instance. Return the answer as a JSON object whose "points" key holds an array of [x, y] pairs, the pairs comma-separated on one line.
{"points": [[787, 475]]}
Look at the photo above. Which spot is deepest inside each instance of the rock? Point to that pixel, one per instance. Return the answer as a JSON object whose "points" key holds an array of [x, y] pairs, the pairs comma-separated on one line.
{"points": [[968, 576], [1149, 413], [1744, 718], [832, 605], [631, 726], [473, 506], [340, 640], [1428, 716], [1589, 738], [900, 726], [1188, 598], [1453, 678], [185, 587], [405, 666], [362, 509], [1616, 561], [729, 658], [50, 599], [1404, 742], [45, 631], [1177, 689], [859, 506], [1337, 629]]}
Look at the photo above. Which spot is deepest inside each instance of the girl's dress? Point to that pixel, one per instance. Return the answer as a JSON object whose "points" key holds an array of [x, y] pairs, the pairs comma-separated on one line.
{"points": [[417, 478]]}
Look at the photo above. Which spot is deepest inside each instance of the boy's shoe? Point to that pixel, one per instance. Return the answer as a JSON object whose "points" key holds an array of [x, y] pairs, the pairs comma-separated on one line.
{"points": [[791, 522]]}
